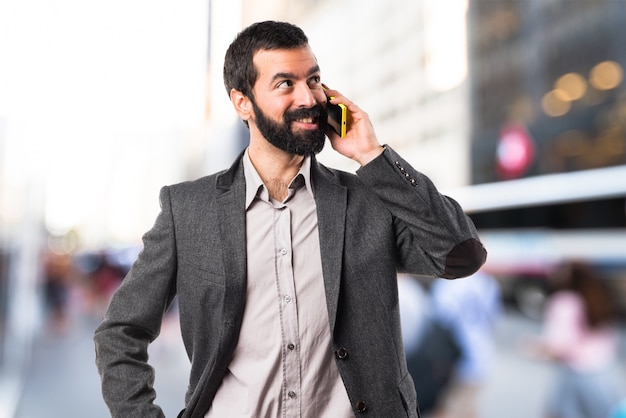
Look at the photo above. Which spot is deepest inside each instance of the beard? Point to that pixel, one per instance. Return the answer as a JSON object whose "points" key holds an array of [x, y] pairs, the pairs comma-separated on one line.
{"points": [[306, 143]]}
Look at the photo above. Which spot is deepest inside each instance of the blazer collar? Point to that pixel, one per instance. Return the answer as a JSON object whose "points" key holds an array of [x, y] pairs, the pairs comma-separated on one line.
{"points": [[229, 177]]}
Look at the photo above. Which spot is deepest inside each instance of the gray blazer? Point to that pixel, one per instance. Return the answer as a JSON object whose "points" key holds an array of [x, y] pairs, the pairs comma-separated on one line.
{"points": [[388, 218]]}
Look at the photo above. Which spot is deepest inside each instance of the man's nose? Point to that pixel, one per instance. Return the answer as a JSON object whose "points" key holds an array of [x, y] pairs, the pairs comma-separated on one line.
{"points": [[304, 96]]}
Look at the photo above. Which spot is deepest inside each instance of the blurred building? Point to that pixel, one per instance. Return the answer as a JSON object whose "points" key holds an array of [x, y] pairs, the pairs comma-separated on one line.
{"points": [[548, 136], [547, 87]]}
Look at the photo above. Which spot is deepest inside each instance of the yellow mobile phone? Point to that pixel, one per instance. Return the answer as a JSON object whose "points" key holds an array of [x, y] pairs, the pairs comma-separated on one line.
{"points": [[337, 117]]}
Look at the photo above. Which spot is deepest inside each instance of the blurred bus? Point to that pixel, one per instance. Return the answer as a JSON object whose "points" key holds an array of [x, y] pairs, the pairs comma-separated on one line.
{"points": [[531, 225]]}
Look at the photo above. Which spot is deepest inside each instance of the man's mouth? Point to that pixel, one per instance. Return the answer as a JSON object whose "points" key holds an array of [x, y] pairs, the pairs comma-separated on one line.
{"points": [[305, 118], [307, 123]]}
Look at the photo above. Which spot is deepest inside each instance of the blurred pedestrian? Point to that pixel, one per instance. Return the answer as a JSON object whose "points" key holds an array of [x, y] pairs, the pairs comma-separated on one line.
{"points": [[431, 348], [106, 278], [580, 334], [414, 306], [56, 287], [285, 270], [470, 308]]}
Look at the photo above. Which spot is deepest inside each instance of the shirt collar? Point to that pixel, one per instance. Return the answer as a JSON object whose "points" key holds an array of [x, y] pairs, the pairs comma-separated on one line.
{"points": [[255, 186]]}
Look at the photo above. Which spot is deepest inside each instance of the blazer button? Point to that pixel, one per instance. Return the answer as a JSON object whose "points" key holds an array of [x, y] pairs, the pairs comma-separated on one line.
{"points": [[361, 407], [341, 354]]}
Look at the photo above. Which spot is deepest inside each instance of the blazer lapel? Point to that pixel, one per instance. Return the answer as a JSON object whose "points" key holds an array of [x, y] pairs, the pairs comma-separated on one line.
{"points": [[230, 207], [232, 230], [331, 200]]}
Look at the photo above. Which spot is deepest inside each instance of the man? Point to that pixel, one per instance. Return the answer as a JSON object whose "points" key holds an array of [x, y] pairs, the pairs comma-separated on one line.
{"points": [[285, 270]]}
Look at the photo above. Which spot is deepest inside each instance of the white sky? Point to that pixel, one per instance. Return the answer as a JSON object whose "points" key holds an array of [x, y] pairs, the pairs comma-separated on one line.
{"points": [[87, 91]]}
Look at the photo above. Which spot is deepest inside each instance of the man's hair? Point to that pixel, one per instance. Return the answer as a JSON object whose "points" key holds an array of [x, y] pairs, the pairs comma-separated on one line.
{"points": [[239, 71]]}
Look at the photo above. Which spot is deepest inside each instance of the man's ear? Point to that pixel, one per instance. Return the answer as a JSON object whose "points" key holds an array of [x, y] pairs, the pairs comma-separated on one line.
{"points": [[242, 104]]}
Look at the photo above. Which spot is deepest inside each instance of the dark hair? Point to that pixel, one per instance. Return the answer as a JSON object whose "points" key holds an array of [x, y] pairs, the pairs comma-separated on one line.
{"points": [[600, 305], [239, 71]]}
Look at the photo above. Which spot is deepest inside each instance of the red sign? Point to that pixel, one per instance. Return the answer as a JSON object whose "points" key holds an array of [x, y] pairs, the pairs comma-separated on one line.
{"points": [[515, 152]]}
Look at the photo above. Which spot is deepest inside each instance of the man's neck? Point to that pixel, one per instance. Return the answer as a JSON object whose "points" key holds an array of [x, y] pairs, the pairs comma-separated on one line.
{"points": [[275, 167]]}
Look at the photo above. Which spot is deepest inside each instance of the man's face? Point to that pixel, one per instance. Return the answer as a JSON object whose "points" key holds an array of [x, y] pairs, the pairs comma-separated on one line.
{"points": [[283, 136], [288, 101]]}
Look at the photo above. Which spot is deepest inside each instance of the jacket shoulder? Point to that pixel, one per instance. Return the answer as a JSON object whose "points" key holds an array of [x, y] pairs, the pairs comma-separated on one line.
{"points": [[202, 183], [335, 176]]}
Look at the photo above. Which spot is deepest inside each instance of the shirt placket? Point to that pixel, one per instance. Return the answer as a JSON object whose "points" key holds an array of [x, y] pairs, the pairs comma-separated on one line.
{"points": [[288, 314]]}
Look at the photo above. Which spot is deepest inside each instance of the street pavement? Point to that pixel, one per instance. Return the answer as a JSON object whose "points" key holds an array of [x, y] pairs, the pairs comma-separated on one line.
{"points": [[62, 380]]}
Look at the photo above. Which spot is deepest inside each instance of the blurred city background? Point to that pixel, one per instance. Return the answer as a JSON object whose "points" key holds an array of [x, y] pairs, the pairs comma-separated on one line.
{"points": [[515, 108]]}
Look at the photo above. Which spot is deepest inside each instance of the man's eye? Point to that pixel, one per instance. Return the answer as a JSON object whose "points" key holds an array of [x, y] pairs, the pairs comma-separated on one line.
{"points": [[285, 84], [314, 81]]}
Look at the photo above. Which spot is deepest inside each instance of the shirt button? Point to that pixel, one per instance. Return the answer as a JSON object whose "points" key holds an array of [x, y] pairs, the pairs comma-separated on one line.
{"points": [[291, 346], [283, 251], [291, 394], [287, 298]]}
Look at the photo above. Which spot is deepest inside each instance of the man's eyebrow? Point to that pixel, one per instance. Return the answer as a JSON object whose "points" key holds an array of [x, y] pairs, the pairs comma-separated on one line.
{"points": [[312, 70]]}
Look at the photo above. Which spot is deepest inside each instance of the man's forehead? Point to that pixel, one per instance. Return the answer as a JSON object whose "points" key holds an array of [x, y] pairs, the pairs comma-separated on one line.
{"points": [[299, 61]]}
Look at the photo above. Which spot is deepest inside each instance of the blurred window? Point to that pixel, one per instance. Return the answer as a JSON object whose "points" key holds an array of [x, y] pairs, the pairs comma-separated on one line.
{"points": [[606, 213]]}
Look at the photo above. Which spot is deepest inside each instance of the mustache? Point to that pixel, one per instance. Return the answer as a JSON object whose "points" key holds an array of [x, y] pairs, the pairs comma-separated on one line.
{"points": [[314, 112]]}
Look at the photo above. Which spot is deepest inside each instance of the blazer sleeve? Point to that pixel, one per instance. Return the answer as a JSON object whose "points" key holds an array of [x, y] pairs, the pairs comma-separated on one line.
{"points": [[437, 224], [133, 321]]}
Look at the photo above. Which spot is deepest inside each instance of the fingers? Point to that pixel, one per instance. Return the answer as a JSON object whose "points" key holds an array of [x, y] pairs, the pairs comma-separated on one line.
{"points": [[335, 97], [360, 138], [333, 93]]}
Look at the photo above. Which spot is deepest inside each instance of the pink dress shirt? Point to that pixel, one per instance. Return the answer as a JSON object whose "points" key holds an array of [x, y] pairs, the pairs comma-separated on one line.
{"points": [[283, 365]]}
